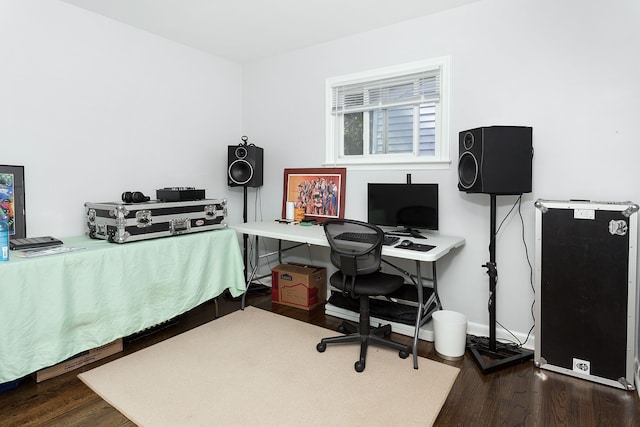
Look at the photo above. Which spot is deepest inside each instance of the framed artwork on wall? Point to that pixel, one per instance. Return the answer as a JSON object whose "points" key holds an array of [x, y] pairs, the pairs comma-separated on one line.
{"points": [[319, 191], [12, 200]]}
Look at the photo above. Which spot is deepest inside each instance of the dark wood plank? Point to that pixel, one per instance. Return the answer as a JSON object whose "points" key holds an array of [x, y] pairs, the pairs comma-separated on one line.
{"points": [[520, 395]]}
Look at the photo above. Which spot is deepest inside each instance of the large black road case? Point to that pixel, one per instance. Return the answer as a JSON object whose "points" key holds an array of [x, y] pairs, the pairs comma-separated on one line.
{"points": [[128, 222], [585, 280]]}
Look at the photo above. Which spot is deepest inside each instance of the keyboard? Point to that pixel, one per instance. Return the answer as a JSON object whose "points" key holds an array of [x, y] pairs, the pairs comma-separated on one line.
{"points": [[367, 238]]}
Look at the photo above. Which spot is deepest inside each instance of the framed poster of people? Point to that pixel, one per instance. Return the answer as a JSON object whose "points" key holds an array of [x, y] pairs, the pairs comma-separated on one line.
{"points": [[318, 191], [12, 200]]}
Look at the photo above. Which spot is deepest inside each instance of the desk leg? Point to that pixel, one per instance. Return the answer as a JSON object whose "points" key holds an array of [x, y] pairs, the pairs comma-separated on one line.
{"points": [[257, 257], [434, 275], [423, 315], [419, 315], [252, 275]]}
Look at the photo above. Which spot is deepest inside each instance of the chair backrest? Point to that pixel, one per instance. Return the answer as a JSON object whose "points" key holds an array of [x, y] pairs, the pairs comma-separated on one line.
{"points": [[351, 256]]}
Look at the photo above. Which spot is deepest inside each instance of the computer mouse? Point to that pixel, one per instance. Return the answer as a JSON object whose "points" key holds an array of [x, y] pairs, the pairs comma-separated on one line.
{"points": [[405, 243]]}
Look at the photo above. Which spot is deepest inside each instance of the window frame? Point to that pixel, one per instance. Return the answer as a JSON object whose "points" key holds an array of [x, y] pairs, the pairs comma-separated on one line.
{"points": [[334, 146]]}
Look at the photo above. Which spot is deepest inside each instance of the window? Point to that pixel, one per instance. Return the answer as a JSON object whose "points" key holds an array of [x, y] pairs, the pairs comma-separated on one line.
{"points": [[395, 116]]}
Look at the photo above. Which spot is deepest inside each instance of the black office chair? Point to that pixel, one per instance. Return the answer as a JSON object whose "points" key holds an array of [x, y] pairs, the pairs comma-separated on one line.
{"points": [[356, 250]]}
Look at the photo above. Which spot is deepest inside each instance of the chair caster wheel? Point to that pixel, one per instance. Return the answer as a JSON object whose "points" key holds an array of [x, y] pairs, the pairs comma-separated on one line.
{"points": [[359, 365], [321, 347], [342, 329], [403, 354]]}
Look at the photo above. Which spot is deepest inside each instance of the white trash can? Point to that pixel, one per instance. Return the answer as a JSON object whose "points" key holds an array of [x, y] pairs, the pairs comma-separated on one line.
{"points": [[450, 334]]}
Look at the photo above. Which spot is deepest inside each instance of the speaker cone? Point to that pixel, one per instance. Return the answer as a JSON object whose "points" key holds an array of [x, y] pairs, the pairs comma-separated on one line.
{"points": [[467, 169], [468, 141], [241, 152], [240, 171]]}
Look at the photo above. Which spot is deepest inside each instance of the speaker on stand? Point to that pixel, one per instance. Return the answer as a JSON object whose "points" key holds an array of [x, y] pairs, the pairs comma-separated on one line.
{"points": [[495, 160], [245, 165], [245, 169]]}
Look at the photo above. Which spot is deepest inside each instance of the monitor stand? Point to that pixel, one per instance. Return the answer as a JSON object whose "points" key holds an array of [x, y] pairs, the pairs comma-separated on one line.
{"points": [[408, 232]]}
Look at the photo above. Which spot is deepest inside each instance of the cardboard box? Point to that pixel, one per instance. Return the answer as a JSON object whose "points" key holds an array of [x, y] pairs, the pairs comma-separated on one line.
{"points": [[79, 360], [299, 286]]}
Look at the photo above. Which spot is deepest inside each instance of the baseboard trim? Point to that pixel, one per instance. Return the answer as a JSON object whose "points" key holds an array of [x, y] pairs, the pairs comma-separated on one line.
{"points": [[426, 331]]}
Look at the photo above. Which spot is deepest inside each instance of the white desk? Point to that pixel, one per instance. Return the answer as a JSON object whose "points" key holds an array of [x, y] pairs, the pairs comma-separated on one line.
{"points": [[314, 235]]}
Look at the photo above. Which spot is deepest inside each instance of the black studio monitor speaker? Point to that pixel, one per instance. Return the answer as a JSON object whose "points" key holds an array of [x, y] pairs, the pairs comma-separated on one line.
{"points": [[495, 160], [245, 166]]}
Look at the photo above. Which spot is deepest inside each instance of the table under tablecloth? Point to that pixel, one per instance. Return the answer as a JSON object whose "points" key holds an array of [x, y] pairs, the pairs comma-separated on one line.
{"points": [[56, 306]]}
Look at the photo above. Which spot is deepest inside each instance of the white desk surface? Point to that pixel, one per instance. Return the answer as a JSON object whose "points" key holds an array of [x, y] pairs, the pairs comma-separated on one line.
{"points": [[314, 235]]}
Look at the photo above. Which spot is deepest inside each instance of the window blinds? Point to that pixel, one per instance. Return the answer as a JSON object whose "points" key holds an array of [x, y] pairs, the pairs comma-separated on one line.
{"points": [[409, 89]]}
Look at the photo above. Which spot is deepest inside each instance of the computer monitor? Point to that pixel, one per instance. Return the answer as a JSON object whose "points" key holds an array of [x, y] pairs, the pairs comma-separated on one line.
{"points": [[407, 207]]}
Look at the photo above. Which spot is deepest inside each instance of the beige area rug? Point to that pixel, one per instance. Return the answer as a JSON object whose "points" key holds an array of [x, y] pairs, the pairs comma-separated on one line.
{"points": [[257, 368]]}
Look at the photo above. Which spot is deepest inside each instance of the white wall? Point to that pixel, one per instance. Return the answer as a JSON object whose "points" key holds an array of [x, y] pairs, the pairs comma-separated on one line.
{"points": [[92, 107], [569, 69]]}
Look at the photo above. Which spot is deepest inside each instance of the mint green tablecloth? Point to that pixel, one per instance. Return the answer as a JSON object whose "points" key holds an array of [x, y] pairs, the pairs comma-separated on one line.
{"points": [[56, 306]]}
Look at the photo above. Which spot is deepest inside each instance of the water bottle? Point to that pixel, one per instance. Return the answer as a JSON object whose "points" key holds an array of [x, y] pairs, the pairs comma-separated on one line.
{"points": [[4, 240]]}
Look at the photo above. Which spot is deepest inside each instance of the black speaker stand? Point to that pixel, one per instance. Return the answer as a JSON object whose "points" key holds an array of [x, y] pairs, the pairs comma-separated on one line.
{"points": [[492, 357], [252, 287], [245, 237]]}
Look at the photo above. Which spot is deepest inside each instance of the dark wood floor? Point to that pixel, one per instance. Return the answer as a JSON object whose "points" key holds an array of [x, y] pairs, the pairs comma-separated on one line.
{"points": [[516, 396]]}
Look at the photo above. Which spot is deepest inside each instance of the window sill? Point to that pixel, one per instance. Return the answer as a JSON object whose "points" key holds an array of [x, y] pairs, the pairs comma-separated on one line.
{"points": [[433, 165]]}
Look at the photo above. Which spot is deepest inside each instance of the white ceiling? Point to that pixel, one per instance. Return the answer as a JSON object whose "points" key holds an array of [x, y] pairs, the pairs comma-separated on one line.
{"points": [[248, 30]]}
